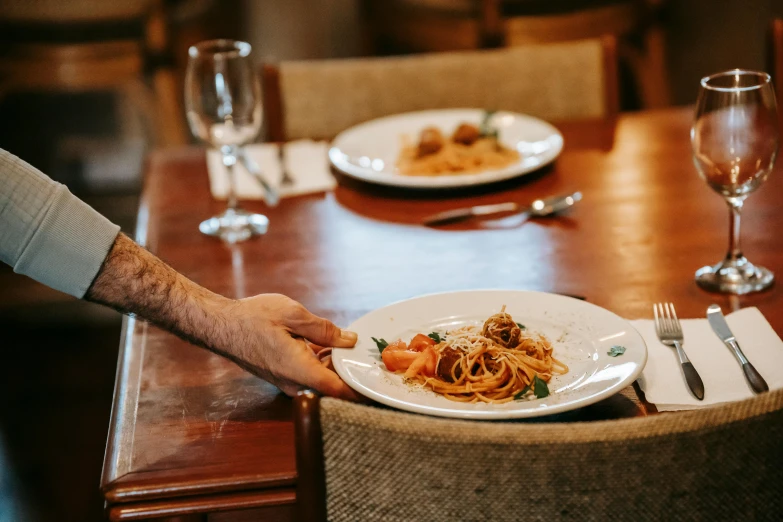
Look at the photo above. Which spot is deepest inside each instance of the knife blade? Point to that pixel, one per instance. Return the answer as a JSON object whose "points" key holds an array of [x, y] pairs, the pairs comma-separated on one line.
{"points": [[538, 208], [722, 330], [460, 214]]}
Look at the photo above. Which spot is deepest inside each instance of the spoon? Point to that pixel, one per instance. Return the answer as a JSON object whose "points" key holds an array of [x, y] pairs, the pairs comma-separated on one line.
{"points": [[538, 208]]}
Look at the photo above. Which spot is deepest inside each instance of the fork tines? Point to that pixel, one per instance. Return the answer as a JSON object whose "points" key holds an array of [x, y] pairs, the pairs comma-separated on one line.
{"points": [[665, 318]]}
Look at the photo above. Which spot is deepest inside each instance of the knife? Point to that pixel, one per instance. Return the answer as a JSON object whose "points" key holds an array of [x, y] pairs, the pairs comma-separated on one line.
{"points": [[721, 329], [270, 193], [538, 208]]}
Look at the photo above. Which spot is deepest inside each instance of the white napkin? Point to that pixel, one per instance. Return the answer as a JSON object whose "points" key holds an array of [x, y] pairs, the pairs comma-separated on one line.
{"points": [[305, 160], [724, 381]]}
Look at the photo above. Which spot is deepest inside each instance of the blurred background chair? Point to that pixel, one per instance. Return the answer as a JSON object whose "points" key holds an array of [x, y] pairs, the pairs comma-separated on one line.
{"points": [[445, 25], [554, 81], [357, 462], [93, 45]]}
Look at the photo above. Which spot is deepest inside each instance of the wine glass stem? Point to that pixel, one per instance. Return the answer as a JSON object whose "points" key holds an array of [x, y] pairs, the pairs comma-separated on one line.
{"points": [[229, 161], [735, 210]]}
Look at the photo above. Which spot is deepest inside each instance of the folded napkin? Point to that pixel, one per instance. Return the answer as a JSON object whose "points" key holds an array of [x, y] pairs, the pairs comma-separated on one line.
{"points": [[724, 381], [305, 160]]}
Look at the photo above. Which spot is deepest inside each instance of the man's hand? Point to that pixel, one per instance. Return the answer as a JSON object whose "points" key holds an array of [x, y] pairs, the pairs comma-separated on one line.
{"points": [[265, 334], [269, 340]]}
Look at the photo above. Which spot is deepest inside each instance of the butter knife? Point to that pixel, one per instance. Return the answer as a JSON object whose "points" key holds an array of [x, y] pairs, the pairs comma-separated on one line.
{"points": [[270, 193], [538, 208], [721, 329]]}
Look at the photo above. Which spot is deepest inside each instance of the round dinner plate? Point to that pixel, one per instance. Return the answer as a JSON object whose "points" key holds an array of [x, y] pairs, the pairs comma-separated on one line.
{"points": [[583, 334], [369, 151]]}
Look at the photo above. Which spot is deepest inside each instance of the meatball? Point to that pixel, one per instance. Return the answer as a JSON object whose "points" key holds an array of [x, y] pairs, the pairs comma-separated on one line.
{"points": [[502, 329], [466, 134], [430, 141], [448, 357]]}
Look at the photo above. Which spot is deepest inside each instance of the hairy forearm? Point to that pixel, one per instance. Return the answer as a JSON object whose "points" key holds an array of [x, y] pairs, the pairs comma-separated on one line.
{"points": [[264, 334], [132, 280]]}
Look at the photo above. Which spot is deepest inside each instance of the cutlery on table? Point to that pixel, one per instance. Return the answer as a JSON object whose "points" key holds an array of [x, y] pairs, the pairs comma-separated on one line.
{"points": [[669, 331], [270, 193], [287, 179], [538, 208], [721, 329]]}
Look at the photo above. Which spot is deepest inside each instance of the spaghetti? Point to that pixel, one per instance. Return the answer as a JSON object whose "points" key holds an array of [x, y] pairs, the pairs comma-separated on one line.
{"points": [[465, 152], [497, 363]]}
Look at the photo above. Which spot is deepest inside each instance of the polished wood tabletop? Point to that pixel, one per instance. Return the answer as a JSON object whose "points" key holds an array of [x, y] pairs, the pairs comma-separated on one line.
{"points": [[192, 433]]}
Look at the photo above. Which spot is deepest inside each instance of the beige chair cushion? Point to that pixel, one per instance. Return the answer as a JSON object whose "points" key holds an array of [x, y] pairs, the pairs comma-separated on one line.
{"points": [[721, 463], [552, 81]]}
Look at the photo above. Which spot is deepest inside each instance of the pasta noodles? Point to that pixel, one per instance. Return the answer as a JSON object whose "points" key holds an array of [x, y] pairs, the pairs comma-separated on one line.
{"points": [[466, 151], [496, 363]]}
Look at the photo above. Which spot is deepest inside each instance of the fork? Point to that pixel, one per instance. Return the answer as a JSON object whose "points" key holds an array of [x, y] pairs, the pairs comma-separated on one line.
{"points": [[669, 331], [287, 179]]}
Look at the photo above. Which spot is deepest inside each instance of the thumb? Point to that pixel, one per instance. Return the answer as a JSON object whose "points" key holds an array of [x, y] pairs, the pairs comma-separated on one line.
{"points": [[323, 332]]}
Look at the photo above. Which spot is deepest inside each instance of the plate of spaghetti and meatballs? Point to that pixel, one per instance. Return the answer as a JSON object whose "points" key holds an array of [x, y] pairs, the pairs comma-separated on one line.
{"points": [[491, 354], [445, 148]]}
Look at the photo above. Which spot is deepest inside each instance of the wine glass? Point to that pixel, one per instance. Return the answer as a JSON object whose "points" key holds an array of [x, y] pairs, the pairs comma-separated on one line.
{"points": [[223, 105], [735, 141]]}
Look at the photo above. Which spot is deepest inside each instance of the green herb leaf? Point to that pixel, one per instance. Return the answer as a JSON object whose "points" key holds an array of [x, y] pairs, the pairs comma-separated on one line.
{"points": [[522, 393], [435, 336], [616, 350], [521, 326], [540, 388], [381, 343], [486, 130]]}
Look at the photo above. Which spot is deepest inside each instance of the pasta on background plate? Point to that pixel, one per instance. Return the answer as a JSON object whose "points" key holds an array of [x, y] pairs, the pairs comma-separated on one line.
{"points": [[470, 149]]}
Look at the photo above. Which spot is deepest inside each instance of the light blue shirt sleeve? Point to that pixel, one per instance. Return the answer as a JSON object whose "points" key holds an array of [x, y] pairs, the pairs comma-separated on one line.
{"points": [[46, 232]]}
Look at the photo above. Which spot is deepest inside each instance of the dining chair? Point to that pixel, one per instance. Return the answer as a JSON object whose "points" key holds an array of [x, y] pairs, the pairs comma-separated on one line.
{"points": [[556, 81], [94, 45], [448, 25], [360, 463]]}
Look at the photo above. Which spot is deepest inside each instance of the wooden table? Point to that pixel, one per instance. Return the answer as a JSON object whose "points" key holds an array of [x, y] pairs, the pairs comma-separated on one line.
{"points": [[191, 433]]}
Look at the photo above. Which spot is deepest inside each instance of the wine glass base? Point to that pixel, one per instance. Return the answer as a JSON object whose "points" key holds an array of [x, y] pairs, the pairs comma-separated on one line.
{"points": [[234, 226], [739, 277]]}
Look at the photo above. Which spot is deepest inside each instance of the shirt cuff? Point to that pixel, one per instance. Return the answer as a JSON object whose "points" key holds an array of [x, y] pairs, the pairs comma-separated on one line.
{"points": [[68, 249]]}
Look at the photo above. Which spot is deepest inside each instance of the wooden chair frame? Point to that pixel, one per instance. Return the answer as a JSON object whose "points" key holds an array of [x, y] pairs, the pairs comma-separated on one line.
{"points": [[117, 65], [311, 478]]}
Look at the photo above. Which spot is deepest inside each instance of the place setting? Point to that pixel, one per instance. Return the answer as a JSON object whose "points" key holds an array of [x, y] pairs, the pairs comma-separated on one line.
{"points": [[734, 140], [444, 149]]}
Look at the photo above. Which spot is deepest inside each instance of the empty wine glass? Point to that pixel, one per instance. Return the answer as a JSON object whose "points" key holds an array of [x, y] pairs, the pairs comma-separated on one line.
{"points": [[735, 141], [223, 104]]}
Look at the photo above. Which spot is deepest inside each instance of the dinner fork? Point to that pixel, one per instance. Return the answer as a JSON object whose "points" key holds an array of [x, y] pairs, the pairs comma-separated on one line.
{"points": [[669, 331], [287, 179]]}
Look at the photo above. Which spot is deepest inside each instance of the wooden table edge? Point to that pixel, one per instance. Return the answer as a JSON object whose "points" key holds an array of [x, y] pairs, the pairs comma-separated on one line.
{"points": [[201, 504], [111, 460], [134, 487]]}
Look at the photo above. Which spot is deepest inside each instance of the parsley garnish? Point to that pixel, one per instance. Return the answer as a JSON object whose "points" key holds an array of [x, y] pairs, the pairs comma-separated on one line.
{"points": [[540, 388], [616, 350], [521, 326], [522, 393], [435, 336], [381, 343], [485, 129]]}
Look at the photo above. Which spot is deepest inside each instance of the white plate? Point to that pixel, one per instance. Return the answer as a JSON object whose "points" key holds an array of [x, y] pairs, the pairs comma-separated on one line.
{"points": [[369, 151], [582, 334]]}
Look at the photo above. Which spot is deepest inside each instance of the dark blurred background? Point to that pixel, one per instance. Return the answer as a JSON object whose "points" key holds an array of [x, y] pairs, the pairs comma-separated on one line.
{"points": [[87, 88]]}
